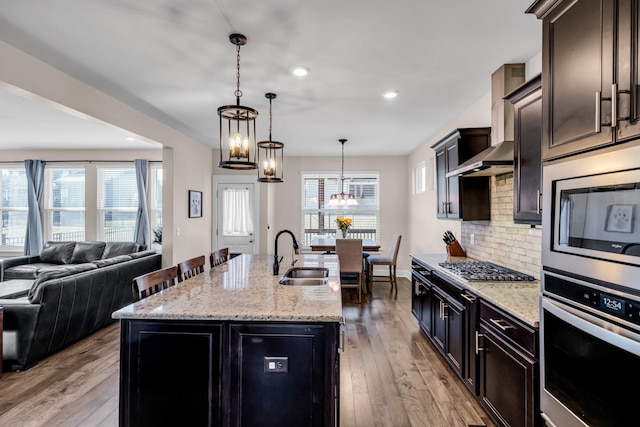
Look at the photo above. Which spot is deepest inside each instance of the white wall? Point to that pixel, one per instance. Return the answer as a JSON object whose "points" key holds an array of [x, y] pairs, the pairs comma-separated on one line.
{"points": [[393, 196]]}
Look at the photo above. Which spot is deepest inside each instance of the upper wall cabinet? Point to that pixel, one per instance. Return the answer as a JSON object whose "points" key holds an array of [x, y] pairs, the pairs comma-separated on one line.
{"points": [[590, 70], [462, 198], [527, 146]]}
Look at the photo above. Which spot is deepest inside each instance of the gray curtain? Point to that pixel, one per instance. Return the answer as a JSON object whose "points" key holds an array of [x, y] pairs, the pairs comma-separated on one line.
{"points": [[141, 232], [35, 184]]}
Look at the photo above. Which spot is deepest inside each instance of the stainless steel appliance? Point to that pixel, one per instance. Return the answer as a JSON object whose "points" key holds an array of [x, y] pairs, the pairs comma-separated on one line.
{"points": [[591, 221], [483, 271], [590, 353]]}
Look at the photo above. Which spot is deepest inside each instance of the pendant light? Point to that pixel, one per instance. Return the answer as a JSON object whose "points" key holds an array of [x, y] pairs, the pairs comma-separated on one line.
{"points": [[237, 125], [342, 200], [270, 154]]}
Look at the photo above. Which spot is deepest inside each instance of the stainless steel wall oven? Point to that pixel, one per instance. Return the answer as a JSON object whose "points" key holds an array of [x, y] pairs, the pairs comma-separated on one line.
{"points": [[590, 305], [590, 353]]}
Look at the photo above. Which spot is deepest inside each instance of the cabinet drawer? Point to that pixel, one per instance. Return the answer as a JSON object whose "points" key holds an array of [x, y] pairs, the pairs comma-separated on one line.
{"points": [[513, 330]]}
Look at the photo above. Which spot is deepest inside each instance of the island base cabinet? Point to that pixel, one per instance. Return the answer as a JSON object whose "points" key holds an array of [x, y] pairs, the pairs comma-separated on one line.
{"points": [[281, 375], [170, 374]]}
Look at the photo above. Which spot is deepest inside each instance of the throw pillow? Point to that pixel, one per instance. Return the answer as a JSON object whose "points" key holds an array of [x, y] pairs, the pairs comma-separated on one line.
{"points": [[87, 252], [57, 252]]}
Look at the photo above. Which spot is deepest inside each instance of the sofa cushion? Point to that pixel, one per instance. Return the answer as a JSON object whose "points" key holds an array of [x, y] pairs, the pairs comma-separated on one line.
{"points": [[87, 252], [56, 273], [57, 252], [110, 261], [25, 271], [142, 254], [119, 248]]}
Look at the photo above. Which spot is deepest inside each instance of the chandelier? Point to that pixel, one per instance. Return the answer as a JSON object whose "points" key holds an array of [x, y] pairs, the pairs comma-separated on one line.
{"points": [[342, 200], [237, 125], [270, 154]]}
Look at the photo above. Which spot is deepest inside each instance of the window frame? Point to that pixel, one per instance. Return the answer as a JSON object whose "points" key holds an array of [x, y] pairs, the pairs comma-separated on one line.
{"points": [[326, 215], [21, 168], [46, 208]]}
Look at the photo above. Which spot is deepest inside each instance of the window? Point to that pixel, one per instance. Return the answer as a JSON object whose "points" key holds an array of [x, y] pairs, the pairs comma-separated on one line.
{"points": [[320, 219], [117, 204], [13, 206], [64, 204], [420, 178]]}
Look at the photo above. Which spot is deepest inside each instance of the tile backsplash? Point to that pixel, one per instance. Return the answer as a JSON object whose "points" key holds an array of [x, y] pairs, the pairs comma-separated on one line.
{"points": [[501, 241]]}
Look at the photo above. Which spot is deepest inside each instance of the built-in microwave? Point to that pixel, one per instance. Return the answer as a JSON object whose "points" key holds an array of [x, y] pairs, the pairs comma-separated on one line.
{"points": [[591, 216]]}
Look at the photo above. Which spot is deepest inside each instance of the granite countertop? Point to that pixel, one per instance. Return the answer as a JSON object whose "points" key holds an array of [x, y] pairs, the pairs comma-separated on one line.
{"points": [[245, 289], [520, 299]]}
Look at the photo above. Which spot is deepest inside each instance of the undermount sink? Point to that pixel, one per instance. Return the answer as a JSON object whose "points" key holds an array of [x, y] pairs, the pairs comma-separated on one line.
{"points": [[305, 276]]}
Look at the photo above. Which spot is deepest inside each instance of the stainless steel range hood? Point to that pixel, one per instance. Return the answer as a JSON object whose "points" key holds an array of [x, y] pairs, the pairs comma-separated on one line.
{"points": [[498, 158], [495, 160]]}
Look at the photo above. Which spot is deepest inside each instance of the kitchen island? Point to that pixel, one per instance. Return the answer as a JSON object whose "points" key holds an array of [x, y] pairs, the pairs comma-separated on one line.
{"points": [[232, 346]]}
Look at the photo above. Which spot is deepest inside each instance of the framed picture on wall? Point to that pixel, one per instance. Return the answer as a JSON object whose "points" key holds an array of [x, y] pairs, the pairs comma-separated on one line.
{"points": [[620, 218], [195, 204]]}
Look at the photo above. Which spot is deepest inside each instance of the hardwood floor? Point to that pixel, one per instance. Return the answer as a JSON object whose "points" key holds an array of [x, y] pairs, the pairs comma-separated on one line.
{"points": [[390, 376]]}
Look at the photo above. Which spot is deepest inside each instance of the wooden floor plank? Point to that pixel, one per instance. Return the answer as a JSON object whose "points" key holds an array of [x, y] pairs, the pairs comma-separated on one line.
{"points": [[390, 376]]}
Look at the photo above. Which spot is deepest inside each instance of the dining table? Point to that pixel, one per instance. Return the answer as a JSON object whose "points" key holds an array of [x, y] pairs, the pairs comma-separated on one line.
{"points": [[328, 244]]}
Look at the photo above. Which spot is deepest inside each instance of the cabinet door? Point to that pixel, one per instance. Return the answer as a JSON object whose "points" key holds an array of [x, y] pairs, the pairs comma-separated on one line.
{"points": [[441, 182], [295, 391], [628, 69], [170, 374], [507, 389], [455, 316], [439, 323], [527, 170], [471, 360], [578, 77], [426, 313], [416, 304]]}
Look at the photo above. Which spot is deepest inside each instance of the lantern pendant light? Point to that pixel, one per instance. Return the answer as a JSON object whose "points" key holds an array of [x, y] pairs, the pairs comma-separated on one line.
{"points": [[237, 125], [342, 200], [270, 154]]}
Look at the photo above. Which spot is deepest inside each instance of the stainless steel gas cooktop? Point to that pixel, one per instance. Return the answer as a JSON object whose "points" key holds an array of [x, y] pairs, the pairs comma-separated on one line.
{"points": [[484, 271]]}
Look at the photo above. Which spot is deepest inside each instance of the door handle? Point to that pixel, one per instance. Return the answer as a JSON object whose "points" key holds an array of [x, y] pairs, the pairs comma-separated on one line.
{"points": [[468, 297], [478, 349], [538, 202], [614, 105], [598, 113], [502, 324]]}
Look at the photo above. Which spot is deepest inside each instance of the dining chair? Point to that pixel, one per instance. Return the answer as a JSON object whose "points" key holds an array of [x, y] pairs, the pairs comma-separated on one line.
{"points": [[191, 267], [218, 257], [349, 253], [388, 260], [154, 282]]}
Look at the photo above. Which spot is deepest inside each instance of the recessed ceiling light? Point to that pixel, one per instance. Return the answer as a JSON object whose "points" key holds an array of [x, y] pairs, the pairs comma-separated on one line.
{"points": [[300, 71], [130, 138], [390, 94]]}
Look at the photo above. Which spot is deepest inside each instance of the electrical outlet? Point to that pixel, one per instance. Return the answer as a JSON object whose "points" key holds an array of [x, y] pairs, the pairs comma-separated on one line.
{"points": [[276, 364], [472, 239]]}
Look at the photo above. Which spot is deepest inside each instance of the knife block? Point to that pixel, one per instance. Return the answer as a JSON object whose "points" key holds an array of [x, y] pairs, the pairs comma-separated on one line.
{"points": [[454, 249]]}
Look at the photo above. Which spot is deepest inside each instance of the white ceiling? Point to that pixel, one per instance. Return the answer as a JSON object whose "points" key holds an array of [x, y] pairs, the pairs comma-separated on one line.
{"points": [[172, 60]]}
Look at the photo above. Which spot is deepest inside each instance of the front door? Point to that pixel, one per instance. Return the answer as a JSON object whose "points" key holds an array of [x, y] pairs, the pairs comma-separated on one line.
{"points": [[236, 219]]}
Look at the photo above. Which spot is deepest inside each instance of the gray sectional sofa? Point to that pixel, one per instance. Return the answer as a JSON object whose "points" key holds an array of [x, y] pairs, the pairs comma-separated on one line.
{"points": [[70, 291]]}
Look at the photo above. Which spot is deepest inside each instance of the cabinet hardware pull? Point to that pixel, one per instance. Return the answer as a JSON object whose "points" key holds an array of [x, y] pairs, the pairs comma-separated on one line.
{"points": [[614, 105], [468, 297], [538, 202], [502, 324], [598, 93], [478, 335], [342, 330]]}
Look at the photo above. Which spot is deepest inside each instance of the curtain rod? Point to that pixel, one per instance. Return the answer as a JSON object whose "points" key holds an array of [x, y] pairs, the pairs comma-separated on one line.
{"points": [[80, 161]]}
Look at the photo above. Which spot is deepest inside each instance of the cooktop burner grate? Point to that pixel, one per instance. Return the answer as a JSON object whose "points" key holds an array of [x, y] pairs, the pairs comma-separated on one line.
{"points": [[484, 271]]}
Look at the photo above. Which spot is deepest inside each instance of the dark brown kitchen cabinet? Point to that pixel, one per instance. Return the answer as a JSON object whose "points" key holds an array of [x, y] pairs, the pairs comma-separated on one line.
{"points": [[296, 390], [508, 369], [170, 374], [422, 296], [527, 168], [590, 66], [461, 199], [449, 322]]}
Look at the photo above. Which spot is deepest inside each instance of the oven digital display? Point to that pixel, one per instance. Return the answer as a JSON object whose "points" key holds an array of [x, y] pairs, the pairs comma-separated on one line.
{"points": [[612, 304]]}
